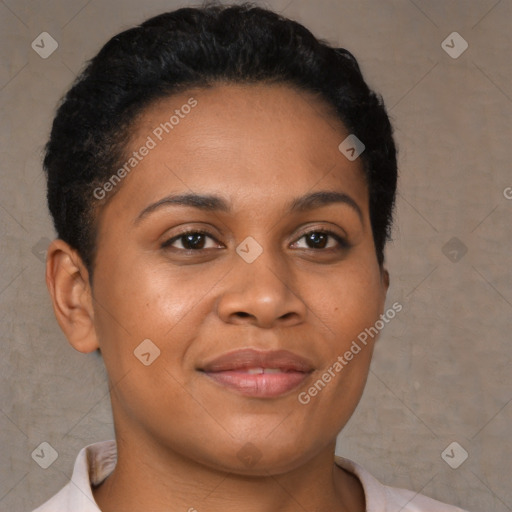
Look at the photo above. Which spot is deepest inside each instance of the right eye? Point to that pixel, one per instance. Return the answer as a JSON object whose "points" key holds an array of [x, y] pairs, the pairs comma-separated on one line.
{"points": [[191, 241]]}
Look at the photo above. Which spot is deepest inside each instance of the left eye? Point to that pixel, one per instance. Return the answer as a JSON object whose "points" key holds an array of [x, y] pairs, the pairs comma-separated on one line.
{"points": [[319, 240]]}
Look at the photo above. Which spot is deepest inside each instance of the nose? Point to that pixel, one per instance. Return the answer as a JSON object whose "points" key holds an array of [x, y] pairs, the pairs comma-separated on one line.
{"points": [[264, 293]]}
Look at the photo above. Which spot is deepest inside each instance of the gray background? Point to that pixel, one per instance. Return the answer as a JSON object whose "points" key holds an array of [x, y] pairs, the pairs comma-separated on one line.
{"points": [[441, 371]]}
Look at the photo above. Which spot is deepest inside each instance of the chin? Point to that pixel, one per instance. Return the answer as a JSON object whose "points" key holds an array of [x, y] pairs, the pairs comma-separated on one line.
{"points": [[261, 457]]}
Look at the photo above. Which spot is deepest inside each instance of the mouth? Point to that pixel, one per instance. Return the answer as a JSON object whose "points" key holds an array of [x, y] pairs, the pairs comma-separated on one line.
{"points": [[259, 374]]}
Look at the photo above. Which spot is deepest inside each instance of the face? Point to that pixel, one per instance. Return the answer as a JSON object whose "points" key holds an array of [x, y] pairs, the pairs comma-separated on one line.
{"points": [[261, 264]]}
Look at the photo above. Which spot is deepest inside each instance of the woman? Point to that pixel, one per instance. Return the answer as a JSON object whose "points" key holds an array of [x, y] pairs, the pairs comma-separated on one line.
{"points": [[222, 185]]}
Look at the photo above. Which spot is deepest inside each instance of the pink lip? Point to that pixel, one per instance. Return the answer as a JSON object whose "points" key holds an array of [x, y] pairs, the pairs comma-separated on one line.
{"points": [[231, 370]]}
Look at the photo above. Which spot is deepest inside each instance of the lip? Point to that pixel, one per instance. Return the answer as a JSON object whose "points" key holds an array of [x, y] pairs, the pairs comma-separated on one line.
{"points": [[231, 370]]}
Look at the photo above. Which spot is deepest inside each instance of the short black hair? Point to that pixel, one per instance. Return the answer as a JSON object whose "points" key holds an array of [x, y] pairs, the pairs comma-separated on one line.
{"points": [[199, 47]]}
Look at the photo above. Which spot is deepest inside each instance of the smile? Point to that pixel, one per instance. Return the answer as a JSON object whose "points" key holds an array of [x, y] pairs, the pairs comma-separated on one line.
{"points": [[259, 374]]}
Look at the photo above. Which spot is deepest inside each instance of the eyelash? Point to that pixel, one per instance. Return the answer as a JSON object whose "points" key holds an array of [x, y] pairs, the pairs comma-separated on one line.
{"points": [[343, 244]]}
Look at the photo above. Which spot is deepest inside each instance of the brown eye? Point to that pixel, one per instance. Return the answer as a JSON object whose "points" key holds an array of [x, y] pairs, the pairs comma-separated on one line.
{"points": [[190, 241], [319, 239]]}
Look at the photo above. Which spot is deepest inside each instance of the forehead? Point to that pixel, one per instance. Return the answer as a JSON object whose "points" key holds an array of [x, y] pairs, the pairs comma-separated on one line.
{"points": [[254, 143]]}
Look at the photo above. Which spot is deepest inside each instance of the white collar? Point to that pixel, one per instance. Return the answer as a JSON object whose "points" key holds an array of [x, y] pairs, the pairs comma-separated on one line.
{"points": [[96, 461]]}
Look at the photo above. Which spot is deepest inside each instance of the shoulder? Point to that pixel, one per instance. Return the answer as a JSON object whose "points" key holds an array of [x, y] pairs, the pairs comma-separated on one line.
{"points": [[409, 501], [382, 498], [92, 465], [60, 502]]}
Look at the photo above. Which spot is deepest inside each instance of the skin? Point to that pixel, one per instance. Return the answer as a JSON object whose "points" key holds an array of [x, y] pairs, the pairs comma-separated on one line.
{"points": [[179, 434]]}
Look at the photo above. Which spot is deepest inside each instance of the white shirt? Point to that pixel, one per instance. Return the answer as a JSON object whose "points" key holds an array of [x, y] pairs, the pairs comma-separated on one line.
{"points": [[96, 461]]}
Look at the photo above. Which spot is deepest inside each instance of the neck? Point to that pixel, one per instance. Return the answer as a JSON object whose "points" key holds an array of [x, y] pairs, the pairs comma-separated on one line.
{"points": [[156, 478]]}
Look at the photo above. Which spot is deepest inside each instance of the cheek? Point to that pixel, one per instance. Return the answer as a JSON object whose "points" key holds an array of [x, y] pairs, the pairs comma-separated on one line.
{"points": [[137, 300], [347, 304], [144, 295], [347, 301], [144, 319]]}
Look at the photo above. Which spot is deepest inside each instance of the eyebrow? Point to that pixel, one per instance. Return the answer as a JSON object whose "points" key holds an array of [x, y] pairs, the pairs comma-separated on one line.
{"points": [[211, 203]]}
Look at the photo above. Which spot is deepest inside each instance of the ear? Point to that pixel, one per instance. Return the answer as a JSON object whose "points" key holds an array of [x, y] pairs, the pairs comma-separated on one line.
{"points": [[67, 280], [384, 277]]}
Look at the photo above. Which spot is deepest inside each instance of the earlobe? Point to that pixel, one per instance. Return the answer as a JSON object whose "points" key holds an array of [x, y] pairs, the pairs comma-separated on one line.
{"points": [[385, 278], [67, 280]]}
